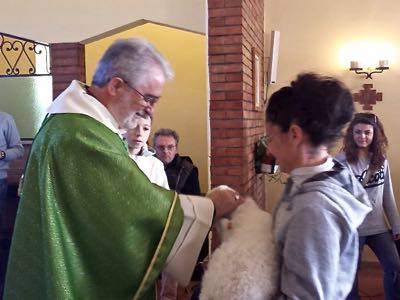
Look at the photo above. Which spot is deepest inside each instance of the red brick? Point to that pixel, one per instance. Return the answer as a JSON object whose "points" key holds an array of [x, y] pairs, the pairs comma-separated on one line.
{"points": [[63, 78], [227, 180], [226, 161], [233, 20], [229, 142], [226, 68], [233, 3], [76, 52], [225, 40], [231, 123], [234, 77], [224, 12], [216, 3], [234, 95], [230, 170], [225, 49], [60, 86], [237, 106], [226, 133], [226, 86], [247, 88], [225, 30], [217, 78], [64, 61], [248, 105], [247, 79], [247, 53], [65, 46], [230, 58], [226, 152], [222, 105], [218, 21], [248, 96], [247, 71], [217, 59], [228, 114], [247, 62], [67, 63], [65, 70], [217, 96]]}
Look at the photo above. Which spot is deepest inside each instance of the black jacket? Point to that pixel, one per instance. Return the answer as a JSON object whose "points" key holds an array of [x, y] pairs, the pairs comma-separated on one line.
{"points": [[183, 175]]}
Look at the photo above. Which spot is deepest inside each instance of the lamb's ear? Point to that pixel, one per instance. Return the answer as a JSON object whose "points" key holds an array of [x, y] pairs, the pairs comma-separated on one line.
{"points": [[250, 201], [224, 225]]}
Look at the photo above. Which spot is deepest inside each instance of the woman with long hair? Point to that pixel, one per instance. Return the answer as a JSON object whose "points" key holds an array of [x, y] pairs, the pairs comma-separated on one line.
{"points": [[364, 154]]}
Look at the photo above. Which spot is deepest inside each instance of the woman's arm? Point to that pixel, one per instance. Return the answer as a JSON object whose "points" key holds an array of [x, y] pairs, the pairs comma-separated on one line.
{"points": [[389, 204]]}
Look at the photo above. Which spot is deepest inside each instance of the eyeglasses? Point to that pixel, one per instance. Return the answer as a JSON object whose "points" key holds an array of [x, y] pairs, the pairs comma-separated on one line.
{"points": [[167, 147], [150, 99]]}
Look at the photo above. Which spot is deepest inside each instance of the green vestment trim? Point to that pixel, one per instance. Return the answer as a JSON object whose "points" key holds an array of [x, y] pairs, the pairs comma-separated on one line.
{"points": [[90, 225]]}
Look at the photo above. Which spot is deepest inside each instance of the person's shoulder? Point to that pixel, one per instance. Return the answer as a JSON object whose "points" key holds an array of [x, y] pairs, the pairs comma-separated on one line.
{"points": [[72, 123], [5, 116], [187, 161], [340, 157], [156, 162], [386, 162], [74, 129], [318, 205]]}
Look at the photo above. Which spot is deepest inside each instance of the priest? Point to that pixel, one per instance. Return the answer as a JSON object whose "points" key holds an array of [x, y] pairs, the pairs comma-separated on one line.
{"points": [[90, 225]]}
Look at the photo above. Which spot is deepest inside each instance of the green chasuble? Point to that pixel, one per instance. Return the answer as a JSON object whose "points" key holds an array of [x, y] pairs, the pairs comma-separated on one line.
{"points": [[90, 225]]}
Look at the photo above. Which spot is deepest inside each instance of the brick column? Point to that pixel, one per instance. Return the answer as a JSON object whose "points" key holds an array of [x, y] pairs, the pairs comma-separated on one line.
{"points": [[67, 63], [235, 28]]}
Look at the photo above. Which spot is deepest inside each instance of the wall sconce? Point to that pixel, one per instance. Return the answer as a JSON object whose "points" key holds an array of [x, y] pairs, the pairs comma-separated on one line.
{"points": [[383, 65]]}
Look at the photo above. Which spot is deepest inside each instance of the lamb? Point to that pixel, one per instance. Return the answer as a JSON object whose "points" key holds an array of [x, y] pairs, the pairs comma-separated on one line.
{"points": [[245, 265]]}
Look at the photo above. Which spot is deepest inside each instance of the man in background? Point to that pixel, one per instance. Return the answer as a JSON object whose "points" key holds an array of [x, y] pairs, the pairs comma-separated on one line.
{"points": [[183, 175], [10, 149]]}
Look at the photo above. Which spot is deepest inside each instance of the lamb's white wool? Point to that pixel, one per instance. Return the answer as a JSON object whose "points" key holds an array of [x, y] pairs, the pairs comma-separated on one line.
{"points": [[244, 266]]}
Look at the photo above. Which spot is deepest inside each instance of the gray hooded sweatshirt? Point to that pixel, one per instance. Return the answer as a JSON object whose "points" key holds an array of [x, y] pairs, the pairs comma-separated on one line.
{"points": [[315, 228], [380, 192]]}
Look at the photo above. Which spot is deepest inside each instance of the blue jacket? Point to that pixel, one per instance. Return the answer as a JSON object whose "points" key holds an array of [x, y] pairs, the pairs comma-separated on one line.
{"points": [[10, 142]]}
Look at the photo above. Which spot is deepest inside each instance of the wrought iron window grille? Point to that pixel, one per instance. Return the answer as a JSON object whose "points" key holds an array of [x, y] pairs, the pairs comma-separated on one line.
{"points": [[18, 57]]}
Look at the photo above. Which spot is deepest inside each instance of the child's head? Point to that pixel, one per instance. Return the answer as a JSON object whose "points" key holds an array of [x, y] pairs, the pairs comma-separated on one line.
{"points": [[312, 111], [137, 137], [366, 132]]}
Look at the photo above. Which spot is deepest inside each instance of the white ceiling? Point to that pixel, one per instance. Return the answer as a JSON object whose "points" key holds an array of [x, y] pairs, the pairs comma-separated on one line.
{"points": [[55, 21]]}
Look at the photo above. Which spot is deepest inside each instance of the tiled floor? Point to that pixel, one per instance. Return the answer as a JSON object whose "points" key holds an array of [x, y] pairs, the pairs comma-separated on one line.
{"points": [[371, 281]]}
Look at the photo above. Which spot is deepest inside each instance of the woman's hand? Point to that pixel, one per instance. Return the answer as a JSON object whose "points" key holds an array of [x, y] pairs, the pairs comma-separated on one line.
{"points": [[396, 237]]}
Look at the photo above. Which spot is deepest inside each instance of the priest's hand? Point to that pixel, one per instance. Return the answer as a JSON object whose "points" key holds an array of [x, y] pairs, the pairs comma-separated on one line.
{"points": [[225, 200]]}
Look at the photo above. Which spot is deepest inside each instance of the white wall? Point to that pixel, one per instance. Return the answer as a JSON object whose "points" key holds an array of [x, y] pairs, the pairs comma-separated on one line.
{"points": [[55, 21], [312, 35]]}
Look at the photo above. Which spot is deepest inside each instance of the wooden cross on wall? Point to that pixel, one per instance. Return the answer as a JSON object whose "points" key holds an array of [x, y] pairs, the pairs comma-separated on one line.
{"points": [[367, 97]]}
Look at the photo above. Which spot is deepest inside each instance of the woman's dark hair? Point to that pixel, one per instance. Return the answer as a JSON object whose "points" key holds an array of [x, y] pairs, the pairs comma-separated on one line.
{"points": [[378, 145], [320, 105]]}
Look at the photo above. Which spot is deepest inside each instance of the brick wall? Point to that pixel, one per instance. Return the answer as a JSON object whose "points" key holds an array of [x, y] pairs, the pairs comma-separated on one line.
{"points": [[67, 63], [235, 29]]}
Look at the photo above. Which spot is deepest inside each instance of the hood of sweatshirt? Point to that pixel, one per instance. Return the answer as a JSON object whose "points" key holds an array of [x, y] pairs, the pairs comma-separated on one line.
{"points": [[343, 189]]}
